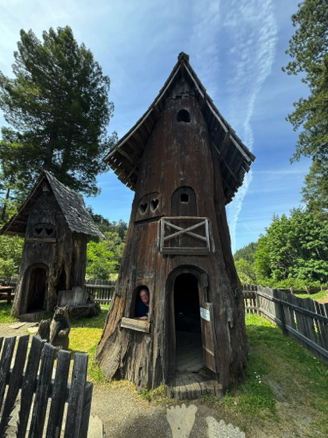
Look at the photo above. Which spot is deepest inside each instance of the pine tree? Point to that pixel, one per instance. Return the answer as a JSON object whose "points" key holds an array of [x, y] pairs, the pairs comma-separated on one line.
{"points": [[58, 109]]}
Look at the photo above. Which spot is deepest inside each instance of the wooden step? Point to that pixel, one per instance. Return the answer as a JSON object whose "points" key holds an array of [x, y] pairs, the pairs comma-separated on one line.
{"points": [[191, 386]]}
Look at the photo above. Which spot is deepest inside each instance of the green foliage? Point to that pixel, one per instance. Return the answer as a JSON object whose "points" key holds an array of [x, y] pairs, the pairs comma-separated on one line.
{"points": [[262, 259], [315, 190], [104, 225], [245, 271], [58, 108], [10, 255], [309, 49], [244, 263], [292, 253], [144, 394], [246, 252], [294, 247], [104, 255]]}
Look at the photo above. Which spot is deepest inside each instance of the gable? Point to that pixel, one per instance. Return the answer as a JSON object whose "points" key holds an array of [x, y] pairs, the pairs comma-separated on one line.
{"points": [[234, 157]]}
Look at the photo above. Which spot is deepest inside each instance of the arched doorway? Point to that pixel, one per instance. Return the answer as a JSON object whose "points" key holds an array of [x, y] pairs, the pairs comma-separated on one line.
{"points": [[37, 286], [189, 354]]}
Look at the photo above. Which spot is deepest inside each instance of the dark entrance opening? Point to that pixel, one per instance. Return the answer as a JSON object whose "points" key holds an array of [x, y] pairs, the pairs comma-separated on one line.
{"points": [[189, 354], [36, 290]]}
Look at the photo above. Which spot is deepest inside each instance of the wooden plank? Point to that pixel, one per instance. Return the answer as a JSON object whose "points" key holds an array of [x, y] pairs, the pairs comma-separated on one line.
{"points": [[6, 356], [208, 337], [86, 410], [291, 301], [76, 396], [185, 230], [184, 250], [139, 325], [28, 385], [308, 342], [14, 382], [322, 327], [58, 394], [42, 391]]}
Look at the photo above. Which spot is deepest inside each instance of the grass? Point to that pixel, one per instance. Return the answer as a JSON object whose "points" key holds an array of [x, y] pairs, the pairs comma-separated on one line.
{"points": [[5, 310], [317, 296], [84, 336], [286, 387], [285, 391]]}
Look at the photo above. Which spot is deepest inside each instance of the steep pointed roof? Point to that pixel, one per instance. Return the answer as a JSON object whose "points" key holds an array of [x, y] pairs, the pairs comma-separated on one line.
{"points": [[70, 202], [234, 157]]}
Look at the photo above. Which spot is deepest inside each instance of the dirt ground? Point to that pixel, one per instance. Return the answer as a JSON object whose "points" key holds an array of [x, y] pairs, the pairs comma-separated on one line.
{"points": [[125, 414]]}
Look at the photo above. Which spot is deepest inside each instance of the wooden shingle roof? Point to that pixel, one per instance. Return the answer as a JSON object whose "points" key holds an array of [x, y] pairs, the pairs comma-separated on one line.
{"points": [[234, 157], [70, 202]]}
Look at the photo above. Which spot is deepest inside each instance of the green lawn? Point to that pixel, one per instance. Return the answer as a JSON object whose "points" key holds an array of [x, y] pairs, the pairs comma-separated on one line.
{"points": [[285, 387]]}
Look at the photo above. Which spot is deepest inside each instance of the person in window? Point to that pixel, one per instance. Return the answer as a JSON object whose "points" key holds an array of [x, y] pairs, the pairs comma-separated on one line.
{"points": [[142, 306]]}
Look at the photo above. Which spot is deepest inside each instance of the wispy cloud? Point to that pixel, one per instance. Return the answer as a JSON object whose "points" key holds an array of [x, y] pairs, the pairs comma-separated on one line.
{"points": [[204, 50], [251, 57], [233, 48]]}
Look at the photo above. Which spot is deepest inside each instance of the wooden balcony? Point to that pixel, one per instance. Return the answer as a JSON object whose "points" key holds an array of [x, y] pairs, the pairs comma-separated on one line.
{"points": [[184, 235]]}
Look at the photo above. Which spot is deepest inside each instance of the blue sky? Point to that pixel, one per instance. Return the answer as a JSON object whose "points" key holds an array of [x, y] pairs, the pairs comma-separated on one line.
{"points": [[236, 47]]}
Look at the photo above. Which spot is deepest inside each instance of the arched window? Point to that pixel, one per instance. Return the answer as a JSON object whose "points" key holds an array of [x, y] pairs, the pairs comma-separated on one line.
{"points": [[183, 116], [183, 202]]}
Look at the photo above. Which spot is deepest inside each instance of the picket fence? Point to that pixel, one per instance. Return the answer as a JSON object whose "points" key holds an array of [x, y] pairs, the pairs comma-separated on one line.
{"points": [[103, 290], [303, 319]]}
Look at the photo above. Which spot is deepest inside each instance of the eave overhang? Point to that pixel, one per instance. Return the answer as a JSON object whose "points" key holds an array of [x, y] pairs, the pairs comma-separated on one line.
{"points": [[234, 157]]}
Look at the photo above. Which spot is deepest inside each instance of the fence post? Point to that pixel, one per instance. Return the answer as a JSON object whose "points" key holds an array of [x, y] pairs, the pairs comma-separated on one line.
{"points": [[257, 300], [277, 294]]}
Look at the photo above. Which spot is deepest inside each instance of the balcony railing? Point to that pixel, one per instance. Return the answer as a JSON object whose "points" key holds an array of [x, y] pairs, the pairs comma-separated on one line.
{"points": [[184, 235]]}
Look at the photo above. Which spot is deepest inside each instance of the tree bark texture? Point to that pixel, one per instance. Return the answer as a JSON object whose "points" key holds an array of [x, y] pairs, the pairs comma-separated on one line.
{"points": [[180, 176]]}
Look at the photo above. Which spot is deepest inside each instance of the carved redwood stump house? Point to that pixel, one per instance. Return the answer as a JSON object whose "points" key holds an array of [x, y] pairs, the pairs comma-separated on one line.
{"points": [[185, 163], [55, 224]]}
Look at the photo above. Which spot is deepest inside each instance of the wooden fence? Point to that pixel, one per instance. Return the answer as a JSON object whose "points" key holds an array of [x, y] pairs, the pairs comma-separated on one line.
{"points": [[303, 319], [103, 290], [35, 401]]}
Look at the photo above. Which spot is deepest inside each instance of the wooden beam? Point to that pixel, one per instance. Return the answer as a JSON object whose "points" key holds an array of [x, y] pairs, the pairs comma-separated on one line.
{"points": [[139, 325], [225, 162]]}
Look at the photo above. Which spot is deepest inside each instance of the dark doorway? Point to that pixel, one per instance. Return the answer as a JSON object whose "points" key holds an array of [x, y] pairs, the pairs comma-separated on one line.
{"points": [[36, 289], [189, 356]]}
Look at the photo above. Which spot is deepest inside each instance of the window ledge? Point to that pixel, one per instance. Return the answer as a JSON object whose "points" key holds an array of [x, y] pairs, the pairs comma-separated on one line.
{"points": [[139, 325]]}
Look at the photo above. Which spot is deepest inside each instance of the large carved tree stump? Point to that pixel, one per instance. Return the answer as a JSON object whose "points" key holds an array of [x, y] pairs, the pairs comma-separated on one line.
{"points": [[185, 164]]}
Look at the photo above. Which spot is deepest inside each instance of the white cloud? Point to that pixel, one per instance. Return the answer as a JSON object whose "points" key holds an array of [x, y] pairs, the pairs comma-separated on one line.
{"points": [[252, 55]]}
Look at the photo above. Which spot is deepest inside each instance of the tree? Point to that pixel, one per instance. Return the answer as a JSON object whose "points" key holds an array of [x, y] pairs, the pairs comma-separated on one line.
{"points": [[309, 49], [294, 247], [58, 108], [246, 252], [245, 271], [315, 190], [104, 257], [11, 252]]}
